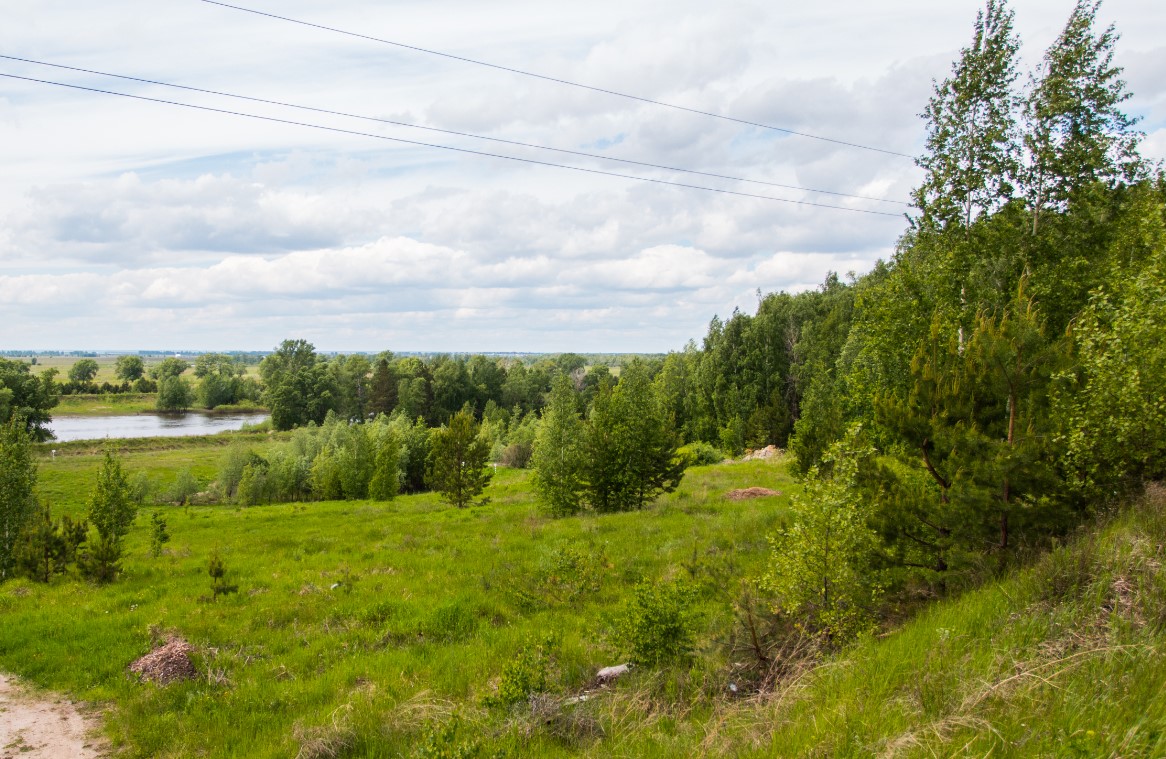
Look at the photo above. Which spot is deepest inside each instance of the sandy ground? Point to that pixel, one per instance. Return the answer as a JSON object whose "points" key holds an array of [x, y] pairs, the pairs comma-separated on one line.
{"points": [[36, 726]]}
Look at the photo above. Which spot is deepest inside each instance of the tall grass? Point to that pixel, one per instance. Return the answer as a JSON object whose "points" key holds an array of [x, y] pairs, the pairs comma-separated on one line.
{"points": [[364, 627]]}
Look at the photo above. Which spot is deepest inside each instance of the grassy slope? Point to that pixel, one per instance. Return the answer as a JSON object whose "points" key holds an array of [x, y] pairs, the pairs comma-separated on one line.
{"points": [[1063, 658], [432, 603]]}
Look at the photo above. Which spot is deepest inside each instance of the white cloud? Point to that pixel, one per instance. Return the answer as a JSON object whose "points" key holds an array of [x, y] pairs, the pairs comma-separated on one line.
{"points": [[205, 230]]}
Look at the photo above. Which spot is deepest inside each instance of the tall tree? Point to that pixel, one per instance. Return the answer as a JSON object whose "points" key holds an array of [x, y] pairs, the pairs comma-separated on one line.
{"points": [[382, 393], [17, 483], [299, 387], [350, 377], [451, 387], [558, 451], [83, 371], [630, 445], [604, 475], [457, 460], [129, 368], [28, 397], [112, 510], [220, 380], [1076, 132], [385, 481], [971, 161], [649, 440], [171, 366], [174, 394]]}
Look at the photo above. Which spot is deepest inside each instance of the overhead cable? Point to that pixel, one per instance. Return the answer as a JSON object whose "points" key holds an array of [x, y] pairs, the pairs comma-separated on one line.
{"points": [[516, 143], [557, 80], [468, 151]]}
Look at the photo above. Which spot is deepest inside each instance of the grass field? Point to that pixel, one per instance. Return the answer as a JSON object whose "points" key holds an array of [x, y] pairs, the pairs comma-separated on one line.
{"points": [[105, 365], [364, 623], [366, 629], [105, 404]]}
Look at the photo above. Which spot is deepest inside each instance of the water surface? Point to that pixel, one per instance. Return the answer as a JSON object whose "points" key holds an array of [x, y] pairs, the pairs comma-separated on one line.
{"points": [[148, 425]]}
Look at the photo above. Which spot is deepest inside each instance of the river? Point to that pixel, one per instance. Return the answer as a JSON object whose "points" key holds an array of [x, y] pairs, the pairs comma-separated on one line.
{"points": [[148, 425]]}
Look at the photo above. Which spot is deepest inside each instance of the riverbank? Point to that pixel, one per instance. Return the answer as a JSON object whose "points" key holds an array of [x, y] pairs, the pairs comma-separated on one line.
{"points": [[105, 404], [122, 404]]}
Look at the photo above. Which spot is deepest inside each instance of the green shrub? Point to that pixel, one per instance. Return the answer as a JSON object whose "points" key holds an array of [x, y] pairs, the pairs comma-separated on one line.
{"points": [[158, 534], [441, 740], [100, 562], [184, 486], [699, 454], [658, 623], [523, 676]]}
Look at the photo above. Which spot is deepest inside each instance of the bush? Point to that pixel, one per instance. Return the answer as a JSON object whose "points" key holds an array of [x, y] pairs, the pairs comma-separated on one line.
{"points": [[699, 454], [184, 486], [516, 455], [523, 676], [174, 394], [101, 561], [658, 623]]}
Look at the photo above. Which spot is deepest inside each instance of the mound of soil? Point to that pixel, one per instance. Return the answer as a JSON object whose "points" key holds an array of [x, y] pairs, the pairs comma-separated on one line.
{"points": [[767, 452], [745, 494], [167, 663]]}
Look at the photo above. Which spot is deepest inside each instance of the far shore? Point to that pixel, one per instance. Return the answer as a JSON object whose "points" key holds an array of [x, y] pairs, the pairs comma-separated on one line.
{"points": [[131, 404]]}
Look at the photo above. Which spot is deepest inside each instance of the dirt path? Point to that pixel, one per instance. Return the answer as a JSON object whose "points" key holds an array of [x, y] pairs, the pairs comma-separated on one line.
{"points": [[33, 726]]}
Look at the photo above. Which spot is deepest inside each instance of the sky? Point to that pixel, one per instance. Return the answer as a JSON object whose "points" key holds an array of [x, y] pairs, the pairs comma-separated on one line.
{"points": [[128, 224]]}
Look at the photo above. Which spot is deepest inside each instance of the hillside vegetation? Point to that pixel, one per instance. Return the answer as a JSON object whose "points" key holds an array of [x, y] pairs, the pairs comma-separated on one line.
{"points": [[365, 629], [958, 555]]}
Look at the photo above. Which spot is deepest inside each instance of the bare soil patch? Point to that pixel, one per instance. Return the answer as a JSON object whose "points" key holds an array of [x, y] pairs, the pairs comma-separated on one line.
{"points": [[745, 494], [40, 726]]}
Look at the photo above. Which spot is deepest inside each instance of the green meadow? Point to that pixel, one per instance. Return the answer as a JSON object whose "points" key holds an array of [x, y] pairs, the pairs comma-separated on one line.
{"points": [[384, 629], [362, 626]]}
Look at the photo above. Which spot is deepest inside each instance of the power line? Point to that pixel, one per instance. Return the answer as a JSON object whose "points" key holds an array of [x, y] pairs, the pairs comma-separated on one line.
{"points": [[450, 131], [560, 81], [445, 147]]}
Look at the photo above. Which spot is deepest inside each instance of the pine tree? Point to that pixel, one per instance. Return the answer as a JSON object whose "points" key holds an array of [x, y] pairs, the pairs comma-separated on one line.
{"points": [[111, 508], [604, 475], [42, 551], [159, 536], [17, 483], [382, 398], [558, 452], [629, 445], [100, 561], [218, 573], [457, 460], [649, 442]]}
